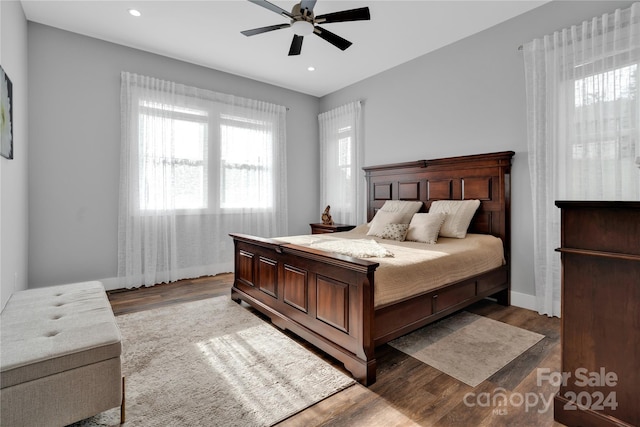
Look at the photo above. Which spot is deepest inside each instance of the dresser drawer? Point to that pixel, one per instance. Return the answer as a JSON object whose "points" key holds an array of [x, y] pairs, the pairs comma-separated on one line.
{"points": [[591, 227]]}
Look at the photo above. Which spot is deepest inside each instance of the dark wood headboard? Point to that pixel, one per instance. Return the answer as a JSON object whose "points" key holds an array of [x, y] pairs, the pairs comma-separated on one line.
{"points": [[486, 177]]}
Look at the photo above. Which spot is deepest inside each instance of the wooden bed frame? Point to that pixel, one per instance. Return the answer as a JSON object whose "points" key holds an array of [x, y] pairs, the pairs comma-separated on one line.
{"points": [[327, 299]]}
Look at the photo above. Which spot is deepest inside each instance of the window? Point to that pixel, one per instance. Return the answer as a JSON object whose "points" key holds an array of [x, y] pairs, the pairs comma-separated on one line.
{"points": [[604, 138], [582, 124], [341, 156], [195, 165], [179, 168], [609, 86], [609, 92], [345, 165], [173, 171], [246, 156]]}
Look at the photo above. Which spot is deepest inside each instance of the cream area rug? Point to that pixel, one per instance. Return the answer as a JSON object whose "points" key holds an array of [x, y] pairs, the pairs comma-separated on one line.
{"points": [[213, 363], [466, 346]]}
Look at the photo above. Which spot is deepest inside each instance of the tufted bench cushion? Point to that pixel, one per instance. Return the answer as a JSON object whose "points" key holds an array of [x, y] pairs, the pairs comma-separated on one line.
{"points": [[51, 333]]}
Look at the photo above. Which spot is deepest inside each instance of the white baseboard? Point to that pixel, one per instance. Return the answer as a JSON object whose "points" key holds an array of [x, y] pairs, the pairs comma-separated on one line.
{"points": [[523, 300], [111, 283]]}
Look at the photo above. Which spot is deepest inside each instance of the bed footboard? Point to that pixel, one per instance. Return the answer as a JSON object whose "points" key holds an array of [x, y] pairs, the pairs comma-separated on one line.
{"points": [[326, 299]]}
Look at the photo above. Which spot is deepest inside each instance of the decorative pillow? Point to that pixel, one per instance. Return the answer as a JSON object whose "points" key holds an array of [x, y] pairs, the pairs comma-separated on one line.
{"points": [[394, 232], [383, 218], [424, 227], [459, 215]]}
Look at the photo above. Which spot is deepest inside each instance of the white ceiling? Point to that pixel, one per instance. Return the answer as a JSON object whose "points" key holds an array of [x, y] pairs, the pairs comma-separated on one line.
{"points": [[207, 32]]}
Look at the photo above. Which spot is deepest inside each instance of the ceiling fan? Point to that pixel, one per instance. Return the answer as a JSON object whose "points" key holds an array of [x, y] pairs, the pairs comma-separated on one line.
{"points": [[304, 22]]}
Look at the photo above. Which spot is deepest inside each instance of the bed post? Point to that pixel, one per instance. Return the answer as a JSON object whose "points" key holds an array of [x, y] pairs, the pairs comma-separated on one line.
{"points": [[504, 297], [362, 312]]}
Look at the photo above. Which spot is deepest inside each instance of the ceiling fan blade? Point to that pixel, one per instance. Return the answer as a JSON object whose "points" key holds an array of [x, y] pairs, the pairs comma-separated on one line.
{"points": [[264, 29], [307, 4], [272, 7], [361, 14], [296, 45], [334, 39]]}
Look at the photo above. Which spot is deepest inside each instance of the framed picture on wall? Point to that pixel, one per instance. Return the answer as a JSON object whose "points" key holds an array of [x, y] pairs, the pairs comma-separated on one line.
{"points": [[6, 115]]}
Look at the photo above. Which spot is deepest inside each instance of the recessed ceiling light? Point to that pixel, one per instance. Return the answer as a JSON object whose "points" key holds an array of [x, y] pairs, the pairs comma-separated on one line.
{"points": [[311, 68], [134, 12]]}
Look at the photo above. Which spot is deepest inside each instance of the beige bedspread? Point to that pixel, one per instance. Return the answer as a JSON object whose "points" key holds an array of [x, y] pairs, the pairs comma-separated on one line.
{"points": [[418, 267]]}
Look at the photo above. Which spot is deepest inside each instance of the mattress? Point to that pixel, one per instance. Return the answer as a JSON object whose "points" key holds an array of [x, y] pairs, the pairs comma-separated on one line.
{"points": [[413, 267]]}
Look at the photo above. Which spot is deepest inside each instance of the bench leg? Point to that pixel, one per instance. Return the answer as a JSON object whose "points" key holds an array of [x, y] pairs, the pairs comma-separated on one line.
{"points": [[122, 405]]}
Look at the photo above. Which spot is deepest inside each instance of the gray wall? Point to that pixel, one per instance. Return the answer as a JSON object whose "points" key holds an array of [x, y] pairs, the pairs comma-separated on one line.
{"points": [[13, 173], [75, 141], [466, 98]]}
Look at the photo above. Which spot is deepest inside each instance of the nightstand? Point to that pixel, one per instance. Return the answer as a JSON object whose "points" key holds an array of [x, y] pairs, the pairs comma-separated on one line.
{"points": [[321, 228]]}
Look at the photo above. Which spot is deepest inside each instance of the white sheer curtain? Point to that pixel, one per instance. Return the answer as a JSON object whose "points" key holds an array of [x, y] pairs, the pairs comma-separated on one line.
{"points": [[341, 156], [195, 166], [583, 124]]}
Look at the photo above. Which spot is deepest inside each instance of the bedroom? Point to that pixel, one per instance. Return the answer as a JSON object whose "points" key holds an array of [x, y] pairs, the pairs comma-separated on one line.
{"points": [[57, 228]]}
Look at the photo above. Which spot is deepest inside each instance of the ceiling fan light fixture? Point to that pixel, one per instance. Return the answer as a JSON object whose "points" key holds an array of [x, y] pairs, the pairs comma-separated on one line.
{"points": [[303, 22], [302, 28]]}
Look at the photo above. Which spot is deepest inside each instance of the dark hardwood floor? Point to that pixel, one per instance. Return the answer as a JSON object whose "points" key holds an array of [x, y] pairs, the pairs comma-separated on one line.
{"points": [[131, 300], [407, 392]]}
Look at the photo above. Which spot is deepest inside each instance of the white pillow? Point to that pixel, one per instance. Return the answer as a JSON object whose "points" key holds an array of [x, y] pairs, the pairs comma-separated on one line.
{"points": [[383, 218], [424, 227], [401, 206], [459, 216], [404, 206]]}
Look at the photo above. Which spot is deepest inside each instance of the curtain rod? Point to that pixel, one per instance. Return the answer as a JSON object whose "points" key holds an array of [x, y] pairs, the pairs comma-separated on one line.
{"points": [[361, 101]]}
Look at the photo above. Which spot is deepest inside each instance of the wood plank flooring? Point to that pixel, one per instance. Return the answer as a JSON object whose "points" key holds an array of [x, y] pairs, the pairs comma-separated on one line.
{"points": [[407, 392], [131, 300]]}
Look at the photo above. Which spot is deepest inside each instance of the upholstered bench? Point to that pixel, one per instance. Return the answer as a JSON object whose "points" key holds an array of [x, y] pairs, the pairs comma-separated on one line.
{"points": [[59, 356]]}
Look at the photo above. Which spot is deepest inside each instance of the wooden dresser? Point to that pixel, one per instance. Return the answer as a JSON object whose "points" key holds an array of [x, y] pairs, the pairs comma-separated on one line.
{"points": [[600, 338]]}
